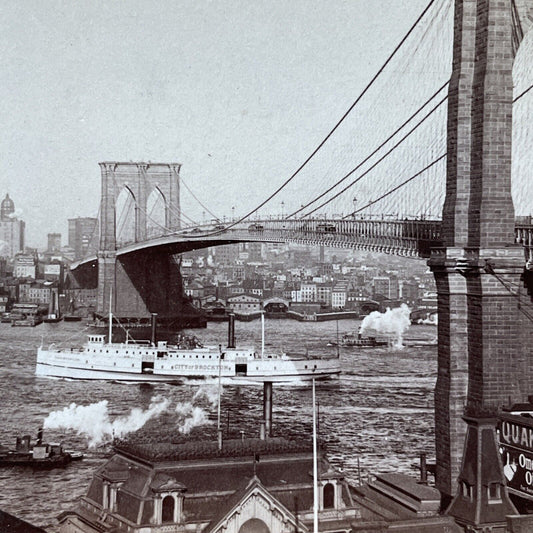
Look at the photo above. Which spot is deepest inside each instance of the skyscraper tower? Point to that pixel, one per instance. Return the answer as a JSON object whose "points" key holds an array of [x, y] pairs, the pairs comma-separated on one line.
{"points": [[7, 208], [11, 229]]}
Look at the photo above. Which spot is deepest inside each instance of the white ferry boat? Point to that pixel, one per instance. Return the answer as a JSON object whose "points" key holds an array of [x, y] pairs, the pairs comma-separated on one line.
{"points": [[159, 361]]}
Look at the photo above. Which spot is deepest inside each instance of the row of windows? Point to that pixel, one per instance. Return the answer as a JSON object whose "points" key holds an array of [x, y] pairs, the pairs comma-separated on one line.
{"points": [[152, 353], [493, 491]]}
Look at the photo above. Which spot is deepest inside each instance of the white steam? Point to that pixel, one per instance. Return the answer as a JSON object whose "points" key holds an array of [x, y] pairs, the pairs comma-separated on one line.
{"points": [[93, 421], [392, 323], [190, 416], [210, 392]]}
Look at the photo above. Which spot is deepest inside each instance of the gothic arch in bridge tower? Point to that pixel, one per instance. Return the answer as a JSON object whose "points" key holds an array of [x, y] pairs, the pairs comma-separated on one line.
{"points": [[156, 213], [125, 216]]}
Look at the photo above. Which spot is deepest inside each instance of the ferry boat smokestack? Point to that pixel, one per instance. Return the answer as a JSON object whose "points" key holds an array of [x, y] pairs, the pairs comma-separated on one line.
{"points": [[39, 436], [153, 323], [231, 331], [267, 407]]}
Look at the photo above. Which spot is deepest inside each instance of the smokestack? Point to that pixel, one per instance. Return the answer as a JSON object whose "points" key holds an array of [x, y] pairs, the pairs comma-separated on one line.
{"points": [[231, 331], [39, 436], [154, 328], [423, 469], [267, 407]]}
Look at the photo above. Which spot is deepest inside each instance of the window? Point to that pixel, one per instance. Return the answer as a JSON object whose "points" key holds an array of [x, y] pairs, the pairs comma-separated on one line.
{"points": [[167, 513], [329, 496], [467, 490], [494, 492]]}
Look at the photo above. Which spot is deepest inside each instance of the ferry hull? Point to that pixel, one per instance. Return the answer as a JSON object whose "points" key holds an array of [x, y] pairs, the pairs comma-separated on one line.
{"points": [[56, 365]]}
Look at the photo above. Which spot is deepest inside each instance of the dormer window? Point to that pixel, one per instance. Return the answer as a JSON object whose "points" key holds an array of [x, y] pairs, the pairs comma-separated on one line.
{"points": [[494, 492], [167, 511], [329, 496], [467, 490]]}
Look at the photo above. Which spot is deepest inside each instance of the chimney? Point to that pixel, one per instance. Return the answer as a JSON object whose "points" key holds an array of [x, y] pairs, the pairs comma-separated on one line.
{"points": [[39, 436], [154, 328], [231, 331]]}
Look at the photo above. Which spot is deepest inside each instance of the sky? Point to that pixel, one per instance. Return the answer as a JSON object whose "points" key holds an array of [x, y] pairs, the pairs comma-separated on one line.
{"points": [[238, 92]]}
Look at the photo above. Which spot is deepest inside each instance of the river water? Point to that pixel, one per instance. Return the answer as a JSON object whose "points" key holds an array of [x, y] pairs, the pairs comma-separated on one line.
{"points": [[378, 414]]}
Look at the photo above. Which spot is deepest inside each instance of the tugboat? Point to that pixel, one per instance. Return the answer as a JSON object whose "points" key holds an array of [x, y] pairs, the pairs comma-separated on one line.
{"points": [[39, 455], [350, 339]]}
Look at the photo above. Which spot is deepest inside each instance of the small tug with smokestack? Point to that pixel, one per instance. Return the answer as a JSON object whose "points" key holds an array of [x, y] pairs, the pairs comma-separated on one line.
{"points": [[155, 360], [38, 455]]}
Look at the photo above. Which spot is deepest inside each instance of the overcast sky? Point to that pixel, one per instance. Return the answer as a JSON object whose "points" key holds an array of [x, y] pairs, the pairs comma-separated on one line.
{"points": [[238, 91]]}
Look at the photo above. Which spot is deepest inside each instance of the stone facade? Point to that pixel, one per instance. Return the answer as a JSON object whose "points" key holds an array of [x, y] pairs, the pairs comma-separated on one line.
{"points": [[482, 361]]}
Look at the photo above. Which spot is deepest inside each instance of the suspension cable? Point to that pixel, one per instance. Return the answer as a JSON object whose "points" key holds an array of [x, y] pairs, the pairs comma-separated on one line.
{"points": [[195, 197], [374, 165], [359, 165], [516, 295], [339, 122], [523, 93], [397, 186]]}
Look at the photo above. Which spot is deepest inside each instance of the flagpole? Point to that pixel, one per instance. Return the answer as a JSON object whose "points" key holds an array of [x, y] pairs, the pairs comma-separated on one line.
{"points": [[315, 468], [110, 333], [219, 393]]}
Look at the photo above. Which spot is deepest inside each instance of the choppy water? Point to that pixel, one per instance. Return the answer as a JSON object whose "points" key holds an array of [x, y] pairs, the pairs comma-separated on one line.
{"points": [[380, 411]]}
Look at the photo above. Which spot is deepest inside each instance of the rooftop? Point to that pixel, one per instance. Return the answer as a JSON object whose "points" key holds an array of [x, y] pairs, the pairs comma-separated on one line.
{"points": [[194, 449]]}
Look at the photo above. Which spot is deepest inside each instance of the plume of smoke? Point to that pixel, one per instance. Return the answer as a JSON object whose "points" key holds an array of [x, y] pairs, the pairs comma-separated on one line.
{"points": [[209, 392], [138, 418], [392, 323], [190, 416], [93, 421]]}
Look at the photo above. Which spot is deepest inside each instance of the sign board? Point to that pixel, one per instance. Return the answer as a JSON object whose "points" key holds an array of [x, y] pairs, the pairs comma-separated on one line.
{"points": [[516, 449], [52, 270]]}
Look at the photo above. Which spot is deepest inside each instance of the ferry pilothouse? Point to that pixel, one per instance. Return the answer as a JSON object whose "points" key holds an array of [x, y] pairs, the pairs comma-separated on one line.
{"points": [[159, 361]]}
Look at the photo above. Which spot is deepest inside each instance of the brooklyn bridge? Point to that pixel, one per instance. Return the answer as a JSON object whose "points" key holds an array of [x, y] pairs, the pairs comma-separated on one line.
{"points": [[437, 174]]}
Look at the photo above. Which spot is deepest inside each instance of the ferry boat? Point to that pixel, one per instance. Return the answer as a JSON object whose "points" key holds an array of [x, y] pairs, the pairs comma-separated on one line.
{"points": [[153, 361]]}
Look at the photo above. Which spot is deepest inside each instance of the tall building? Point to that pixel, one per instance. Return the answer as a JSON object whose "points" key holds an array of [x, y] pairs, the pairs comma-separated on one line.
{"points": [[11, 229], [54, 242], [83, 236]]}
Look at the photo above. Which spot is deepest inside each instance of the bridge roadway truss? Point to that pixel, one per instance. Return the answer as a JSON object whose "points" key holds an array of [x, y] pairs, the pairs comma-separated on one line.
{"points": [[410, 238]]}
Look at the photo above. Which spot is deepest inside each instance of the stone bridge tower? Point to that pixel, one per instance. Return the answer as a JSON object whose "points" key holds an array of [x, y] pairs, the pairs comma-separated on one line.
{"points": [[483, 361], [136, 292]]}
